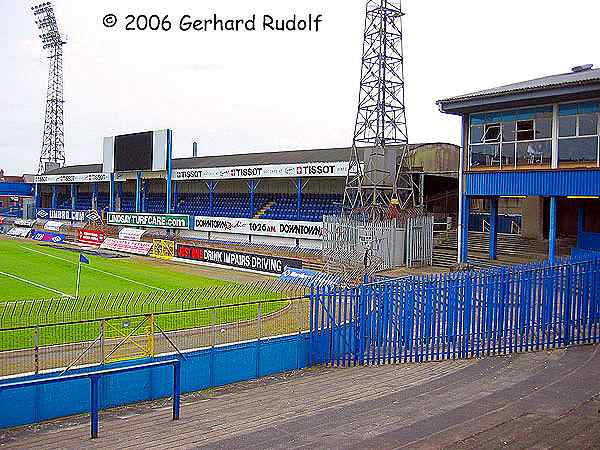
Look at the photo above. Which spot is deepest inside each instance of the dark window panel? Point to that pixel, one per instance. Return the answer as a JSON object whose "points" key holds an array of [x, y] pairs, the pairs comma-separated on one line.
{"points": [[534, 153], [588, 124], [583, 149], [567, 126]]}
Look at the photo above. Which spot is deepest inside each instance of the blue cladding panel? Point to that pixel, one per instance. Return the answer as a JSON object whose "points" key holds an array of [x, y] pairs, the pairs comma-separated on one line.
{"points": [[589, 241], [18, 189], [560, 183]]}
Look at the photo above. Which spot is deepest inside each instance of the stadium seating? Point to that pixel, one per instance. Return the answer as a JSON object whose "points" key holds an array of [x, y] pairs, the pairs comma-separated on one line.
{"points": [[266, 206], [272, 206]]}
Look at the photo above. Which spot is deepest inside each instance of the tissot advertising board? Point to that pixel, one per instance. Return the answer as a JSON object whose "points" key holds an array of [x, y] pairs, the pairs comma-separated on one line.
{"points": [[259, 263], [76, 178], [319, 169], [178, 221], [261, 227]]}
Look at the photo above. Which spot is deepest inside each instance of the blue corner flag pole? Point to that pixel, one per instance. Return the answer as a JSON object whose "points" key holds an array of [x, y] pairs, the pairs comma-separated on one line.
{"points": [[82, 260]]}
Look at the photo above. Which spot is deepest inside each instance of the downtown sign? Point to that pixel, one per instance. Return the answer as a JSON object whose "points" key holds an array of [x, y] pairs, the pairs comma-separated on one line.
{"points": [[260, 227]]}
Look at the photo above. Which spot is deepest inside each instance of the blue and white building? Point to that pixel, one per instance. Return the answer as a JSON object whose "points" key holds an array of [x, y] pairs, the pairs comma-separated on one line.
{"points": [[533, 140]]}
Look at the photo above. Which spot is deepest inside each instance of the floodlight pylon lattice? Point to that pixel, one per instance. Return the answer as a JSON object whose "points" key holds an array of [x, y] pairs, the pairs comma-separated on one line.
{"points": [[381, 184], [53, 141]]}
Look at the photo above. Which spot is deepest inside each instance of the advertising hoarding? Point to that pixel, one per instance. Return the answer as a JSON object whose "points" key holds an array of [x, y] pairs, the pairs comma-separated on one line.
{"points": [[259, 263], [263, 227], [119, 245], [176, 221]]}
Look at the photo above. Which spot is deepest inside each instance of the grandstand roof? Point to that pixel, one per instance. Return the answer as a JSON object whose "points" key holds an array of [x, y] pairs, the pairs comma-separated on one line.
{"points": [[245, 159]]}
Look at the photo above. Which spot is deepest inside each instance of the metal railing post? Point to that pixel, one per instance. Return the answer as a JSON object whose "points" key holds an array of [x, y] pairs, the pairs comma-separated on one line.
{"points": [[259, 331], [36, 346], [176, 389], [95, 406], [212, 350], [102, 342]]}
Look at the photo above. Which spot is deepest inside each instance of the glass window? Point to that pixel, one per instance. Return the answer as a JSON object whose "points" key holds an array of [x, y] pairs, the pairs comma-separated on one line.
{"points": [[476, 135], [492, 133], [534, 153], [543, 128], [509, 131], [583, 149], [525, 130], [588, 124], [485, 155], [567, 126], [508, 156]]}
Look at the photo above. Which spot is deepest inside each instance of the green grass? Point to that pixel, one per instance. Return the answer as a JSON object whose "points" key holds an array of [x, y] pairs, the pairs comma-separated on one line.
{"points": [[109, 288]]}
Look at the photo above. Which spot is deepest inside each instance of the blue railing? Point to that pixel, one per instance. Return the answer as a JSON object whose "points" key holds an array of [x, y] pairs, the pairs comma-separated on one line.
{"points": [[528, 307], [94, 378]]}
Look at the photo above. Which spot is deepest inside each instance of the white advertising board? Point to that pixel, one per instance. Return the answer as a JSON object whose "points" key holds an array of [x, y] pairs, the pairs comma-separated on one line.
{"points": [[260, 227], [52, 225], [319, 169], [19, 232], [131, 234], [119, 245], [77, 178]]}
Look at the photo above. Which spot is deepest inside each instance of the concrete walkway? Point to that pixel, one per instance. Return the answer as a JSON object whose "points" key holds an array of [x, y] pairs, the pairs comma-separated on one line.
{"points": [[535, 400]]}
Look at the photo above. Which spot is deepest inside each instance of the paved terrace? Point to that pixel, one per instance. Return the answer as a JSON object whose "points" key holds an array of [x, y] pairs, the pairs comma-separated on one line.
{"points": [[536, 400]]}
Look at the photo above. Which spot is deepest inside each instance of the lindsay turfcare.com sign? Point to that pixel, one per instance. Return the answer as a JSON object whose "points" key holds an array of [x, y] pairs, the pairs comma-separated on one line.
{"points": [[178, 221]]}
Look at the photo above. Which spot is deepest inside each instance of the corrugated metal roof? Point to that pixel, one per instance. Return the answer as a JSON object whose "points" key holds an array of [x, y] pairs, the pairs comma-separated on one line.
{"points": [[246, 159], [549, 82]]}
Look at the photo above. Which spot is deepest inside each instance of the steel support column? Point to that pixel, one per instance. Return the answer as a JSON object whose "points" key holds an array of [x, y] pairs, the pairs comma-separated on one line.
{"points": [[73, 195], [54, 197], [175, 196], [252, 184], [464, 229], [95, 196], [211, 197], [111, 201], [119, 205], [494, 228], [169, 170], [37, 197], [553, 232], [298, 197], [580, 223], [138, 192]]}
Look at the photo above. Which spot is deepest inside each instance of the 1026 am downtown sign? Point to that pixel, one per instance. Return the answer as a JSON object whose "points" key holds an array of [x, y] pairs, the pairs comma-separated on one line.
{"points": [[262, 227]]}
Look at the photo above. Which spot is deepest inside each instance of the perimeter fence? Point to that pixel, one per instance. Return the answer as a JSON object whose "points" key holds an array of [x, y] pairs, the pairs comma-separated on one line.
{"points": [[530, 307], [41, 335]]}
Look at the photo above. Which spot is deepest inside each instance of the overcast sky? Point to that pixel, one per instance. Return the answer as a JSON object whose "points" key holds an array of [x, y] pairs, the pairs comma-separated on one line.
{"points": [[249, 92]]}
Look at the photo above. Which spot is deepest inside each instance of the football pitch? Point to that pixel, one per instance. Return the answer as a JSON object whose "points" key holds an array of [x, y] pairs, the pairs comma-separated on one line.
{"points": [[34, 271], [47, 275]]}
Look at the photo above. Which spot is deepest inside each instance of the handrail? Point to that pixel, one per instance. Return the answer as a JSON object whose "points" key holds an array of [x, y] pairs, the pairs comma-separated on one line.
{"points": [[94, 391]]}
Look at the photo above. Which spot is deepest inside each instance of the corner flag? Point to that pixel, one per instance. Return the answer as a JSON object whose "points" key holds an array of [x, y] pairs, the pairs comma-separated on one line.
{"points": [[82, 260]]}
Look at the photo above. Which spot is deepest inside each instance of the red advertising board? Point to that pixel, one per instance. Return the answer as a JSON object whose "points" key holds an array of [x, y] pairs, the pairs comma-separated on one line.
{"points": [[91, 237]]}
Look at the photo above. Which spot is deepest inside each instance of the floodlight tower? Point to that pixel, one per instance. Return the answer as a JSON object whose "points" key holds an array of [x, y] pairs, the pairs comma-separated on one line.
{"points": [[53, 141], [381, 182]]}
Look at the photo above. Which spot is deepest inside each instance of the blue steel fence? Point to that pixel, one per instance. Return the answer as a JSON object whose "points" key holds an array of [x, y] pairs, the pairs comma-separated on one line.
{"points": [[528, 307]]}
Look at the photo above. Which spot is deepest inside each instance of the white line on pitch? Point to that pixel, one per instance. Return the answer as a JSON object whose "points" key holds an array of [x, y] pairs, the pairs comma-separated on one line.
{"points": [[41, 286], [92, 268]]}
